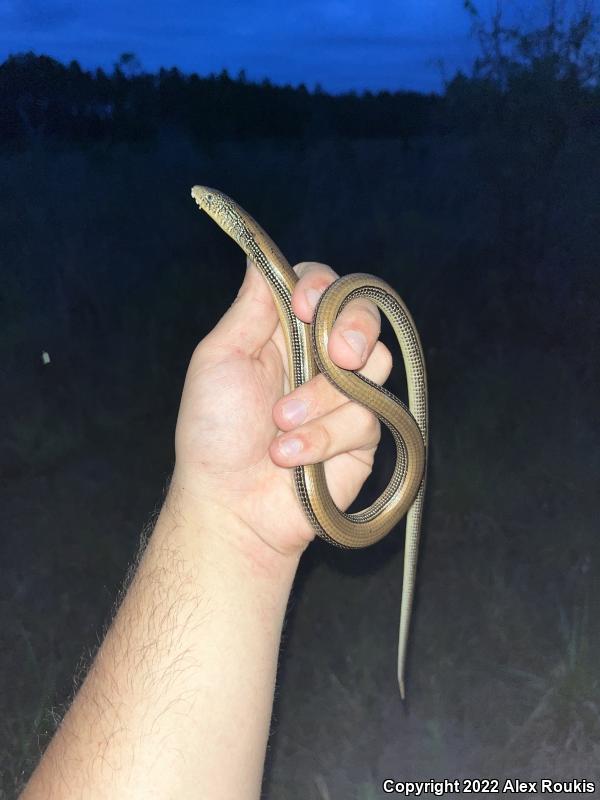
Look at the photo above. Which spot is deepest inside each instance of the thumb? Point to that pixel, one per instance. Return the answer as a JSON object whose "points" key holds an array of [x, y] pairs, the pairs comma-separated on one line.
{"points": [[251, 320]]}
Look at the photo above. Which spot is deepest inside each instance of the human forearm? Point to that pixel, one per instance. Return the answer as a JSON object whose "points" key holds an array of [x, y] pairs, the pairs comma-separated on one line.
{"points": [[178, 700]]}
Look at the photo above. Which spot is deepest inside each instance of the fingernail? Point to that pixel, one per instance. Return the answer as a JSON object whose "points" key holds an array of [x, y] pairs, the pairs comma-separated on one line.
{"points": [[289, 447], [357, 342], [313, 296], [294, 411]]}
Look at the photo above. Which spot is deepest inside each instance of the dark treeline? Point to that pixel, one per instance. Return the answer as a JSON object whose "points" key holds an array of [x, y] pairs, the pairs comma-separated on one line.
{"points": [[41, 97], [538, 83]]}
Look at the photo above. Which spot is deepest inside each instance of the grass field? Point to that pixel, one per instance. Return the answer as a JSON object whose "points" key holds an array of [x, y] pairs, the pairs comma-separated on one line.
{"points": [[106, 264]]}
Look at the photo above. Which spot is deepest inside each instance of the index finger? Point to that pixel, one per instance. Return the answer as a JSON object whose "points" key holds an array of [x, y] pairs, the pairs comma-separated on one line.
{"points": [[356, 329]]}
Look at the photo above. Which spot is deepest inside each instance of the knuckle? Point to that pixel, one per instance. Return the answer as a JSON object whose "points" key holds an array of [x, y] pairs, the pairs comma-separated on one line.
{"points": [[376, 431], [369, 464], [360, 319], [385, 356], [320, 440], [366, 309], [368, 424]]}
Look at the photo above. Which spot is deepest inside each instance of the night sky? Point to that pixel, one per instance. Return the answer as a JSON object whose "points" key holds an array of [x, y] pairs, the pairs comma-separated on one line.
{"points": [[342, 44]]}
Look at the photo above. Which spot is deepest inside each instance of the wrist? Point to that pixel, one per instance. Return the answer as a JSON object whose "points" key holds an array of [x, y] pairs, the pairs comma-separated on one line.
{"points": [[201, 520]]}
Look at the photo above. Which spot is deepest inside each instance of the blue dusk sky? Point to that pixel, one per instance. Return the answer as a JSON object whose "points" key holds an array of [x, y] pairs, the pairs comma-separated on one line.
{"points": [[341, 44]]}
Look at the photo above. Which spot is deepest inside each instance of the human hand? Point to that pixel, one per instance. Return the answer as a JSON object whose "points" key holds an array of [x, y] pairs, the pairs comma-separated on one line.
{"points": [[230, 454]]}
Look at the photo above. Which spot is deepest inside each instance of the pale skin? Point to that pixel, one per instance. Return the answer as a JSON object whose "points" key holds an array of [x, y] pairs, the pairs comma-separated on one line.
{"points": [[177, 703]]}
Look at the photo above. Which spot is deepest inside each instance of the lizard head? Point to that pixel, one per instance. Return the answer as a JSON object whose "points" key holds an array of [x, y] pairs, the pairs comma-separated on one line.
{"points": [[205, 197]]}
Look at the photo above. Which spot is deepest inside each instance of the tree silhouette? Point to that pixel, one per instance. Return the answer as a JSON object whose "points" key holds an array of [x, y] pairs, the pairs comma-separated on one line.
{"points": [[44, 99], [532, 87]]}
